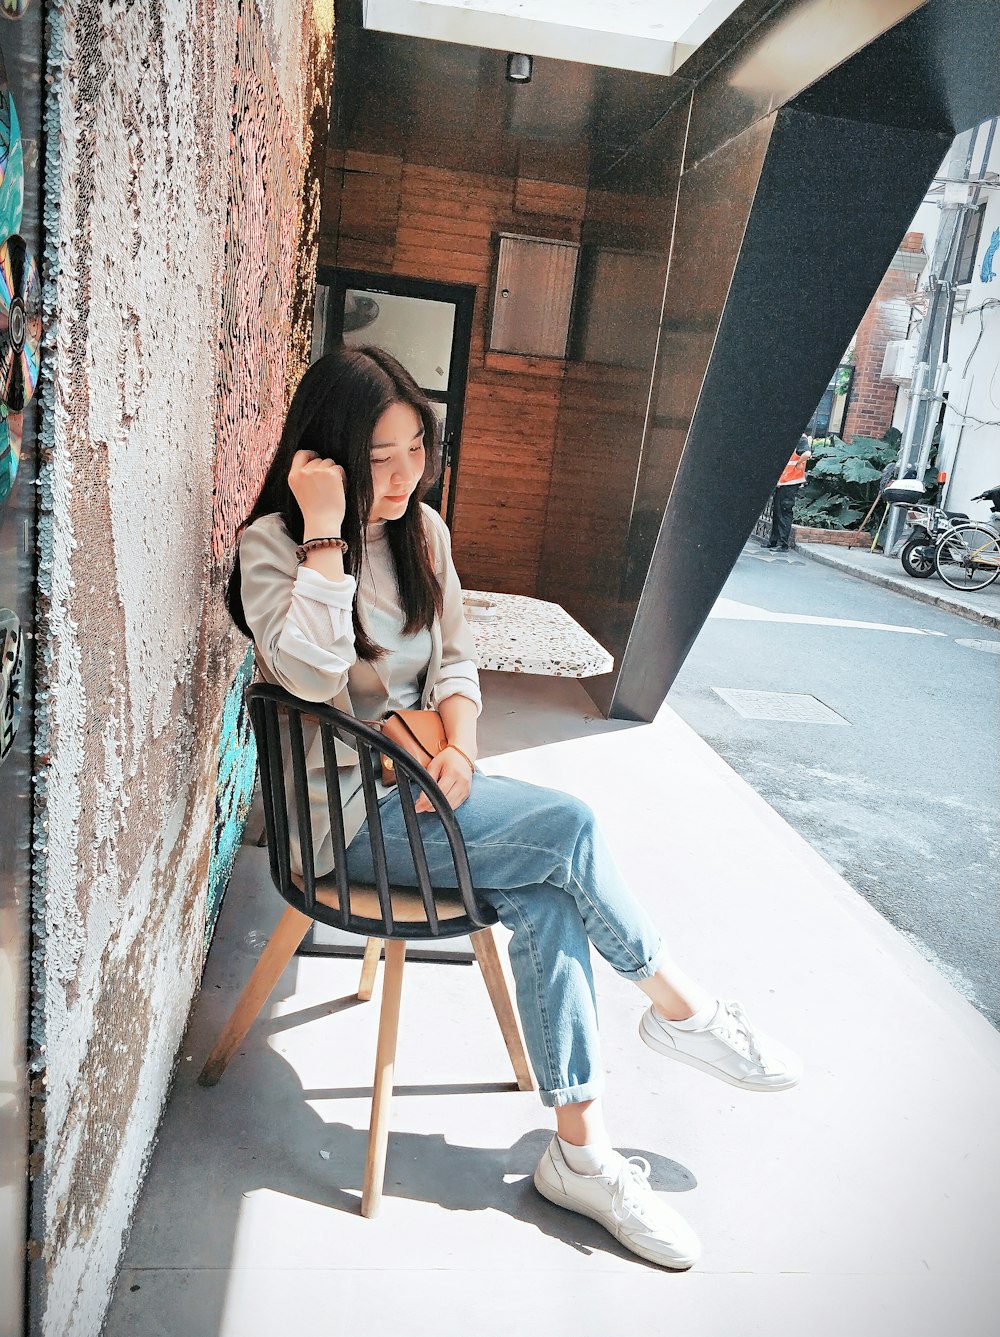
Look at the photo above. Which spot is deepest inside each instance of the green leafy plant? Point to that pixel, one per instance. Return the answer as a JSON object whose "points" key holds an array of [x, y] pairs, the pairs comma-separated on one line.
{"points": [[842, 480]]}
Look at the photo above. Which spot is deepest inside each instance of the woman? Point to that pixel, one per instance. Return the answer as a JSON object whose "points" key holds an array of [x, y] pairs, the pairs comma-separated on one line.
{"points": [[345, 583]]}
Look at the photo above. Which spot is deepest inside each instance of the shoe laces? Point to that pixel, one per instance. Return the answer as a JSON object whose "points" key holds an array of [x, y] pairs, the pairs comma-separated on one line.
{"points": [[733, 1026], [632, 1192]]}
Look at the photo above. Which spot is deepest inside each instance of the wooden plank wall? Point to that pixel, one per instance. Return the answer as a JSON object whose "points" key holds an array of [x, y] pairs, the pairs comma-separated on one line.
{"points": [[385, 215]]}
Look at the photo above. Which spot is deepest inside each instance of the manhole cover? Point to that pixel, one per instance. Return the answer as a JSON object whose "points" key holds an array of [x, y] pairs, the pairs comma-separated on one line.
{"points": [[789, 707], [987, 647]]}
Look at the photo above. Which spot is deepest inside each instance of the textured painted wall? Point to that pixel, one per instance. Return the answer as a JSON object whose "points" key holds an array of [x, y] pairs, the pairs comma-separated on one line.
{"points": [[260, 268], [179, 135]]}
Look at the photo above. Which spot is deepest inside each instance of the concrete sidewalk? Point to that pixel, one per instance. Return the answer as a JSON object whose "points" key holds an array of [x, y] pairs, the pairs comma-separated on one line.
{"points": [[865, 1201], [980, 606]]}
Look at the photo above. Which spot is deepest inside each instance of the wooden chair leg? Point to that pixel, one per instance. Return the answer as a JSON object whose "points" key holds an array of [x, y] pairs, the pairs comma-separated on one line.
{"points": [[385, 1063], [369, 969], [288, 933], [485, 946]]}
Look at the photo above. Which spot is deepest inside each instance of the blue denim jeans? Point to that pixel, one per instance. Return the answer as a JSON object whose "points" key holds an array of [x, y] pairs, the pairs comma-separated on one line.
{"points": [[538, 857]]}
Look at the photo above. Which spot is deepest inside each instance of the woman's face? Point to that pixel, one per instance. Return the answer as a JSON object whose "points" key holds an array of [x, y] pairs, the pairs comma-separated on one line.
{"points": [[397, 458]]}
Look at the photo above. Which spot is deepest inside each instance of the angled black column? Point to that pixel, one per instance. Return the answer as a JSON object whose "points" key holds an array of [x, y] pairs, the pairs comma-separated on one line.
{"points": [[832, 202]]}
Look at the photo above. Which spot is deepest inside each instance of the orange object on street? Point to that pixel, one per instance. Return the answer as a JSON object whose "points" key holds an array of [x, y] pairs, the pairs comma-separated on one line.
{"points": [[794, 471]]}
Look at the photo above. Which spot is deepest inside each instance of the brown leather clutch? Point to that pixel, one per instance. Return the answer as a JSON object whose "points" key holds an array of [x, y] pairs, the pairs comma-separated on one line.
{"points": [[420, 732]]}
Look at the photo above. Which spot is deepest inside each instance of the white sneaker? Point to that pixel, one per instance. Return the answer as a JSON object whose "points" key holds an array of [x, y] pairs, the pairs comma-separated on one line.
{"points": [[624, 1204], [728, 1047]]}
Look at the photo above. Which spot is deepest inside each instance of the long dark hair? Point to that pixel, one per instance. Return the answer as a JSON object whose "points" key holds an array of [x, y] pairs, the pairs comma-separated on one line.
{"points": [[333, 412]]}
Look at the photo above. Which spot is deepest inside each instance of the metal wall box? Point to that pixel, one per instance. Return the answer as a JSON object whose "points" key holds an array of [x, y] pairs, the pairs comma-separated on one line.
{"points": [[533, 296], [898, 361]]}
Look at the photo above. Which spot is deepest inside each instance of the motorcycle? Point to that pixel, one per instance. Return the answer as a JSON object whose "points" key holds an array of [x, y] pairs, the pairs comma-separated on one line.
{"points": [[927, 524], [992, 495]]}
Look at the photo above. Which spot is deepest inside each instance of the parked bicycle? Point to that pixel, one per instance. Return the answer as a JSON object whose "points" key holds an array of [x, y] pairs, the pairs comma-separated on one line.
{"points": [[967, 555], [927, 524]]}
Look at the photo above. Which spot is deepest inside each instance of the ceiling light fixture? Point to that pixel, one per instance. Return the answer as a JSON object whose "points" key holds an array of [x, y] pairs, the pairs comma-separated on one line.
{"points": [[518, 68]]}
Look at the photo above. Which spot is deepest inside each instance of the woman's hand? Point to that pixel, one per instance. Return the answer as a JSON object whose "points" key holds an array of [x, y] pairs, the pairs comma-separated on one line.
{"points": [[453, 773], [318, 486]]}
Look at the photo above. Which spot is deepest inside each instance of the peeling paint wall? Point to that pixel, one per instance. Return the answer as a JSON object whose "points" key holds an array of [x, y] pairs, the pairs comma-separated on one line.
{"points": [[179, 263]]}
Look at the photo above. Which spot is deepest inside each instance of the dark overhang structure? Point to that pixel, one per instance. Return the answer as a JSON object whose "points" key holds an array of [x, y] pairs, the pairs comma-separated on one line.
{"points": [[773, 195]]}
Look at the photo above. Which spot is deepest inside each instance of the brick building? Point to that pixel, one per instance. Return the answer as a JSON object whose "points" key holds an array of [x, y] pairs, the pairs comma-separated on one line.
{"points": [[873, 399]]}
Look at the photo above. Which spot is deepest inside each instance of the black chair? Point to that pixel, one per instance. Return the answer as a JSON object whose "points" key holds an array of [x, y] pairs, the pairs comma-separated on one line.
{"points": [[381, 912]]}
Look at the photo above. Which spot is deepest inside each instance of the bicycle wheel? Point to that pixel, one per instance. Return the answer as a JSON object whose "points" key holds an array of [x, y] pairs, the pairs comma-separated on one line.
{"points": [[968, 557]]}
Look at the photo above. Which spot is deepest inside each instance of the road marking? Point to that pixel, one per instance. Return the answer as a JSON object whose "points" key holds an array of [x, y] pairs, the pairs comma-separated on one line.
{"points": [[775, 557], [731, 610], [988, 647]]}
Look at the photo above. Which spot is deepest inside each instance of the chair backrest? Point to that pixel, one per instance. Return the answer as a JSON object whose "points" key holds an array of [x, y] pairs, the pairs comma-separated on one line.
{"points": [[278, 719]]}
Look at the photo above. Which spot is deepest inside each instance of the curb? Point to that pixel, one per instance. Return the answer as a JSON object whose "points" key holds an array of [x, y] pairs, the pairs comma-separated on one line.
{"points": [[912, 589]]}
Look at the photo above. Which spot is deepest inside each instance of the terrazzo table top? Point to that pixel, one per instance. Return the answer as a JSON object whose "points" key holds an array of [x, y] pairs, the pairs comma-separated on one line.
{"points": [[522, 635]]}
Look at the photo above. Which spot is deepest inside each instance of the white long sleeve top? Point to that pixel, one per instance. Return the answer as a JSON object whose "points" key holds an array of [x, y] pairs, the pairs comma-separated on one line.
{"points": [[304, 639]]}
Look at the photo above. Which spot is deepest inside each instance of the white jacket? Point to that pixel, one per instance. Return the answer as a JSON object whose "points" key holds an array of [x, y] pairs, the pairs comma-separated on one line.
{"points": [[309, 650]]}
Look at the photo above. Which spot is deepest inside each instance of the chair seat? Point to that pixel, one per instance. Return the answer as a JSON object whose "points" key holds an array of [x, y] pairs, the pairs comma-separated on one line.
{"points": [[407, 906]]}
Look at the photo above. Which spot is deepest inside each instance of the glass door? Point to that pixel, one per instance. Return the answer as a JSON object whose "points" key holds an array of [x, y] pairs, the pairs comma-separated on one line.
{"points": [[427, 326]]}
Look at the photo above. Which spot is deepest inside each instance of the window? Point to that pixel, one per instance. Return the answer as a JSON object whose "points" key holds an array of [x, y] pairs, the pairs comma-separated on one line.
{"points": [[972, 225], [427, 326]]}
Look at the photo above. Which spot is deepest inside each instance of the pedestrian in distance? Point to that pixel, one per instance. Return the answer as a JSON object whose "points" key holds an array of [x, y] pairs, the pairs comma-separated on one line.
{"points": [[785, 492], [345, 583]]}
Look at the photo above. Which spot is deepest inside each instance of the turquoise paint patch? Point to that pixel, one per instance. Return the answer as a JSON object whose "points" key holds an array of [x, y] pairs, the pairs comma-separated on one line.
{"points": [[11, 174], [986, 272], [10, 450], [237, 775], [12, 193]]}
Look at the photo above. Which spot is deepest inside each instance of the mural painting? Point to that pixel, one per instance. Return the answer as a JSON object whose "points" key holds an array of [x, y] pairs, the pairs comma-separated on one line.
{"points": [[237, 775]]}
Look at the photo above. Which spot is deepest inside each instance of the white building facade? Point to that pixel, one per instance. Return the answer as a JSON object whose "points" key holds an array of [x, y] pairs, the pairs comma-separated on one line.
{"points": [[969, 452]]}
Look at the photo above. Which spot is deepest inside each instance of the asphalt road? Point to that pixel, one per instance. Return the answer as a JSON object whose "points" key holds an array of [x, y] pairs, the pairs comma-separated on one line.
{"points": [[903, 797]]}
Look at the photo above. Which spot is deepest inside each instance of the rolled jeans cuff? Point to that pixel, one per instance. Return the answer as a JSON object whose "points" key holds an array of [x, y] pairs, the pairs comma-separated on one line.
{"points": [[658, 959], [572, 1095]]}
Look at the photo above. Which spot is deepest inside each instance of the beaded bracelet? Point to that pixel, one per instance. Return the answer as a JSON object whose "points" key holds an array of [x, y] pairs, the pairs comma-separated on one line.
{"points": [[302, 551]]}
